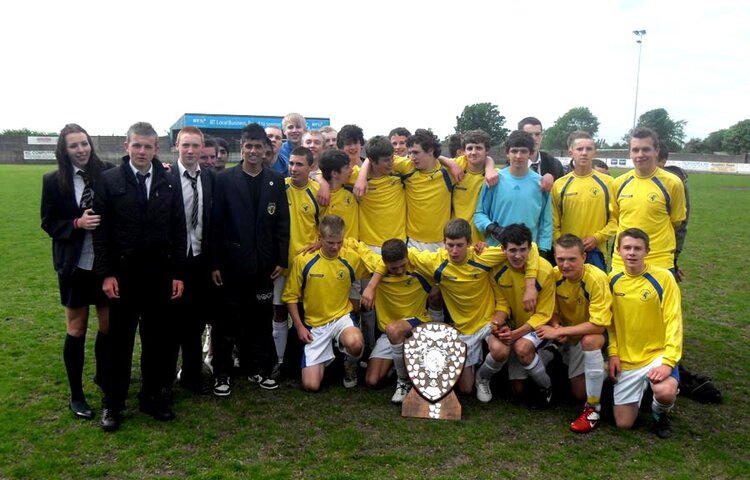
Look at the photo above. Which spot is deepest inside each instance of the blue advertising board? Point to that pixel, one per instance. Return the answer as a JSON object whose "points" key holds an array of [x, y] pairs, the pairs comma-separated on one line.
{"points": [[235, 122]]}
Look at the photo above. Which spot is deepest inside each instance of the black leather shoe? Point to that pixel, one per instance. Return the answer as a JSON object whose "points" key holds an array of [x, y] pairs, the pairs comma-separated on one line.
{"points": [[158, 410], [81, 409], [110, 420]]}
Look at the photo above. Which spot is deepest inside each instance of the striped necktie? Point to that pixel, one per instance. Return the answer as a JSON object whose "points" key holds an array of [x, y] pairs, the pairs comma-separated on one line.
{"points": [[88, 194], [194, 184]]}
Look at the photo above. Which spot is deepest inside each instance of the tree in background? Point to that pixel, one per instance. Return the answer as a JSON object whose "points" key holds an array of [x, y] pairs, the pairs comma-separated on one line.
{"points": [[484, 116], [737, 138], [25, 132], [579, 118], [670, 131]]}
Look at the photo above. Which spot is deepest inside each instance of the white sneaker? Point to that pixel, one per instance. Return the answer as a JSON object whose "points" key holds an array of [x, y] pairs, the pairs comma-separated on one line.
{"points": [[350, 374], [484, 394], [402, 389]]}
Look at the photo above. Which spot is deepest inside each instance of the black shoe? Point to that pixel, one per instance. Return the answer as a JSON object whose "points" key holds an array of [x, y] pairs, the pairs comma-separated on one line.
{"points": [[110, 419], [544, 399], [81, 409], [662, 425], [159, 410]]}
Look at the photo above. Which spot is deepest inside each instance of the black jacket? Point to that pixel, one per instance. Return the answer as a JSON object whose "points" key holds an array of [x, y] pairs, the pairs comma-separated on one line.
{"points": [[58, 212], [207, 183], [239, 246], [130, 238], [551, 165]]}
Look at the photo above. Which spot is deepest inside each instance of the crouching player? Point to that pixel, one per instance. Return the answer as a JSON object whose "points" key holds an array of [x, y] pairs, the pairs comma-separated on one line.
{"points": [[400, 305], [645, 338], [321, 281], [514, 338], [583, 310]]}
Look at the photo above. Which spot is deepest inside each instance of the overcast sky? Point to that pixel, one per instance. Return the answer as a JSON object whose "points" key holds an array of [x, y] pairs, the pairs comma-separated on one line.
{"points": [[380, 64]]}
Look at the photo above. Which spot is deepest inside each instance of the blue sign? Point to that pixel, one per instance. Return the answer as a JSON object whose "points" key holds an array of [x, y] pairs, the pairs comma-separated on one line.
{"points": [[235, 122]]}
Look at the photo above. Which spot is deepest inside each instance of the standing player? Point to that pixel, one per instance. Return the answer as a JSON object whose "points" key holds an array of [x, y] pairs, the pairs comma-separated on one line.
{"points": [[650, 199], [475, 146], [583, 310], [278, 163], [513, 326], [329, 133], [294, 126], [645, 338], [398, 137], [541, 162], [581, 199], [319, 282]]}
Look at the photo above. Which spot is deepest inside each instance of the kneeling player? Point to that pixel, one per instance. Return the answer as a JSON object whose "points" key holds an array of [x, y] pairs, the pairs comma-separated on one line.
{"points": [[645, 338], [400, 305], [321, 282], [513, 327], [583, 310]]}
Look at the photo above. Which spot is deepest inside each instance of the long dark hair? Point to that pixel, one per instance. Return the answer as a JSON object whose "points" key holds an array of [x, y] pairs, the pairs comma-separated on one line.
{"points": [[64, 165]]}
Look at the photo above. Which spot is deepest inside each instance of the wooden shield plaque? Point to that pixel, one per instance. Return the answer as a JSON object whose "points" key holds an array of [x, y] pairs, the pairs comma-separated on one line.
{"points": [[434, 358]]}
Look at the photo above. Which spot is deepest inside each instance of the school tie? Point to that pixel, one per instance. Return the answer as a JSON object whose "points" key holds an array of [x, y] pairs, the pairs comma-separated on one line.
{"points": [[142, 188], [194, 184], [88, 194]]}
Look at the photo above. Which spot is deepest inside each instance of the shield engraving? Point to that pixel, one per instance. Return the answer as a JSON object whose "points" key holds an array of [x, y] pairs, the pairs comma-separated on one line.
{"points": [[434, 358]]}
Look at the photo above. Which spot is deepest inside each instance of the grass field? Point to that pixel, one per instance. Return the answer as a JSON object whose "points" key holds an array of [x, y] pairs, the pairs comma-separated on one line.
{"points": [[358, 434]]}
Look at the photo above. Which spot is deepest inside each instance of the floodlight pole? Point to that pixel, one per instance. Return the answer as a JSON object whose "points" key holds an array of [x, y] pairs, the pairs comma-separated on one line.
{"points": [[639, 34]]}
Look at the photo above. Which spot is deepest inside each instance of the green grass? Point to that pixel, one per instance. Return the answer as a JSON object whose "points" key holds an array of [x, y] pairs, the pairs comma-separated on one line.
{"points": [[357, 434]]}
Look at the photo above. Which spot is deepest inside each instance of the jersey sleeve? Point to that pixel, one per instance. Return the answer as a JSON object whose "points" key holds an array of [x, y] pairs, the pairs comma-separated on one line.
{"points": [[545, 303], [600, 303], [545, 223], [610, 228], [556, 216], [482, 213], [672, 314], [402, 165], [293, 287]]}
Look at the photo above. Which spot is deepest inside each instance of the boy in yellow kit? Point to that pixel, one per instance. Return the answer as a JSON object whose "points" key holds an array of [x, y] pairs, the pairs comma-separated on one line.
{"points": [[321, 282], [581, 201], [645, 338], [514, 338], [476, 146], [582, 312]]}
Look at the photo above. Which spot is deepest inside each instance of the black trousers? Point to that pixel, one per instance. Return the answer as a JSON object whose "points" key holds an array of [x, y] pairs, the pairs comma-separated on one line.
{"points": [[144, 304], [245, 321], [190, 314]]}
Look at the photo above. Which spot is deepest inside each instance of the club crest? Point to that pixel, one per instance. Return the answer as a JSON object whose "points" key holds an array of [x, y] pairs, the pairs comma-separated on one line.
{"points": [[271, 208]]}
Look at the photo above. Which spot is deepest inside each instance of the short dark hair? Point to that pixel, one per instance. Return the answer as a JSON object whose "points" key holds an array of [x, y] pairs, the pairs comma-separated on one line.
{"points": [[426, 139], [253, 131], [332, 161], [455, 143], [221, 143], [519, 138], [636, 233], [303, 152], [663, 151], [393, 250], [569, 240], [400, 131], [577, 135], [143, 129], [378, 147], [456, 229], [476, 136], [516, 233], [645, 132], [529, 121], [211, 143], [350, 134], [599, 163]]}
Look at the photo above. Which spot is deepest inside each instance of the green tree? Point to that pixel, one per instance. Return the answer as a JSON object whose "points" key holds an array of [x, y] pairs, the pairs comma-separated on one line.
{"points": [[694, 145], [579, 118], [25, 132], [714, 142], [483, 116], [670, 131], [737, 138]]}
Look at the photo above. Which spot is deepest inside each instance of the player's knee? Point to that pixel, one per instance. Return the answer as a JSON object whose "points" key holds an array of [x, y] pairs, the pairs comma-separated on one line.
{"points": [[499, 351], [524, 350], [665, 392], [309, 385], [592, 342], [372, 380], [393, 332]]}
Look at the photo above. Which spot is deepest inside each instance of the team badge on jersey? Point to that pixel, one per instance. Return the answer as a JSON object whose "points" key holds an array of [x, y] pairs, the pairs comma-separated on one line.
{"points": [[594, 192], [271, 208], [652, 197], [340, 274], [644, 295]]}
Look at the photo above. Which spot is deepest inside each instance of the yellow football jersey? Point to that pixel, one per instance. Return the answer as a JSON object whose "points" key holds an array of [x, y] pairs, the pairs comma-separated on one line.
{"points": [[344, 204], [466, 195], [656, 205], [647, 318], [581, 206], [322, 284], [510, 286], [585, 300], [304, 216], [382, 212], [428, 203]]}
